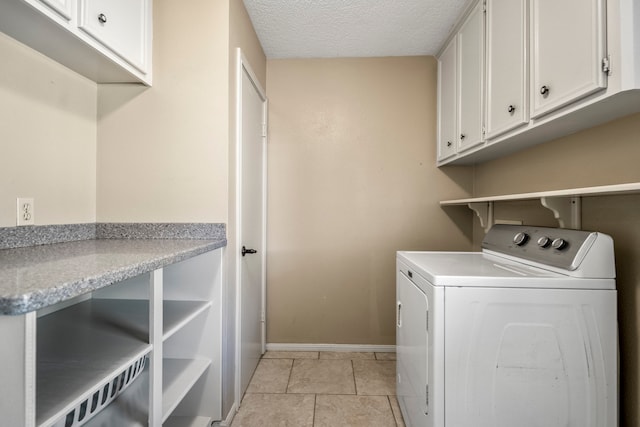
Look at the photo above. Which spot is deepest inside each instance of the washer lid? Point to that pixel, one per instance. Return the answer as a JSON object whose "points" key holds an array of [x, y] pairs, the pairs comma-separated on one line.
{"points": [[477, 269]]}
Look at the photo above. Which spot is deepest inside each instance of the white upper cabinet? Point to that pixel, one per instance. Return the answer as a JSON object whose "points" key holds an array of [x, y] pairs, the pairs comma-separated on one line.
{"points": [[107, 41], [507, 66], [447, 114], [471, 79], [567, 50], [63, 7], [120, 25], [552, 68]]}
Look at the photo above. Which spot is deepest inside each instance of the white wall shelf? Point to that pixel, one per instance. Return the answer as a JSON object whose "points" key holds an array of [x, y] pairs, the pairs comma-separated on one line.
{"points": [[565, 204]]}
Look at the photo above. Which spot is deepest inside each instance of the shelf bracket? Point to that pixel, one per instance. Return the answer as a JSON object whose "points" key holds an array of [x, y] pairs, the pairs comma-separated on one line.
{"points": [[567, 210], [484, 212]]}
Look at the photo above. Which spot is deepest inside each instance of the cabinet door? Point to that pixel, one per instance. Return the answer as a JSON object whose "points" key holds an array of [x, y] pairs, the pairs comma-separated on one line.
{"points": [[567, 47], [61, 7], [507, 66], [471, 78], [447, 113], [120, 25]]}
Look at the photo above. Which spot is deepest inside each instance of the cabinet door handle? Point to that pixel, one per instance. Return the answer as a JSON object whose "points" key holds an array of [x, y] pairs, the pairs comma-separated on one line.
{"points": [[248, 251], [449, 144], [462, 136], [399, 315], [511, 109], [102, 18], [544, 90]]}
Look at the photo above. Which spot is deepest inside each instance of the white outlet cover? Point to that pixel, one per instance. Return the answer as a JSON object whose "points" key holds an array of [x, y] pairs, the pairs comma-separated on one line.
{"points": [[25, 211]]}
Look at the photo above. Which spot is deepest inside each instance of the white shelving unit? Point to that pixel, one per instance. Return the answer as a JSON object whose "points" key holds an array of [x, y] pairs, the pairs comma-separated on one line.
{"points": [[565, 204], [65, 359]]}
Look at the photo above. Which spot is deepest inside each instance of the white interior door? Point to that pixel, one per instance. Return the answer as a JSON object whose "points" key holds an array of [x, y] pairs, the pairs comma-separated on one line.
{"points": [[252, 109]]}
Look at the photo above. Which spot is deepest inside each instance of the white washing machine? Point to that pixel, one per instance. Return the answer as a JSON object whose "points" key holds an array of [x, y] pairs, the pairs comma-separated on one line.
{"points": [[521, 334]]}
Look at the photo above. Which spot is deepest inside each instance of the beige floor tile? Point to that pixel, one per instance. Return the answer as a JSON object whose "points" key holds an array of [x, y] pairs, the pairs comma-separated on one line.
{"points": [[322, 376], [353, 411], [283, 410], [351, 355], [397, 413], [271, 376], [386, 356], [290, 355], [375, 377]]}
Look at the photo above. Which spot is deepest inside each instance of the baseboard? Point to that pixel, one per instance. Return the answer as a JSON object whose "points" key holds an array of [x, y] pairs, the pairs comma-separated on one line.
{"points": [[331, 347], [227, 421]]}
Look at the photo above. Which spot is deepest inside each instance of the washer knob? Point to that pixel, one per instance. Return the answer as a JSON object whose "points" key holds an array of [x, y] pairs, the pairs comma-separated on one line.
{"points": [[544, 242], [559, 244], [520, 238]]}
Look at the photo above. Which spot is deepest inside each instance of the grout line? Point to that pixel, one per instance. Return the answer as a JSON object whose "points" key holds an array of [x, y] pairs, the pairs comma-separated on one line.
{"points": [[286, 390], [355, 384], [393, 414], [315, 403]]}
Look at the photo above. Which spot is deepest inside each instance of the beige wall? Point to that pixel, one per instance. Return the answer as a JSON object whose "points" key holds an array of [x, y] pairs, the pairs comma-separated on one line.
{"points": [[352, 179], [47, 138], [162, 151], [607, 154]]}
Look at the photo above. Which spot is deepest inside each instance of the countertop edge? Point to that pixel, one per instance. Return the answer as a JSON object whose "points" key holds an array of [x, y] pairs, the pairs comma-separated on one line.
{"points": [[32, 301]]}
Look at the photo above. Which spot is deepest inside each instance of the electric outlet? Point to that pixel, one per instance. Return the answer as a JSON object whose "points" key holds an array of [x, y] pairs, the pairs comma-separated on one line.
{"points": [[26, 214]]}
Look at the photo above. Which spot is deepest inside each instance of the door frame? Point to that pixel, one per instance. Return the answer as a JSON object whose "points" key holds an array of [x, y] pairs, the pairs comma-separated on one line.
{"points": [[242, 65]]}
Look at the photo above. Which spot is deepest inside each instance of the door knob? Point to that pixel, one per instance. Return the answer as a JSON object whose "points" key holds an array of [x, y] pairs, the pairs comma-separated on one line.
{"points": [[248, 251]]}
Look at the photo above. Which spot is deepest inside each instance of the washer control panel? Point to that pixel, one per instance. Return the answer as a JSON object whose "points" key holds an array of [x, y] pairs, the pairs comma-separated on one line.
{"points": [[557, 247]]}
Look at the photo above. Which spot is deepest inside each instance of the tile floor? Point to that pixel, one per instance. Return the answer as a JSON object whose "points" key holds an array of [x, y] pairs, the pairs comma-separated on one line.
{"points": [[321, 389]]}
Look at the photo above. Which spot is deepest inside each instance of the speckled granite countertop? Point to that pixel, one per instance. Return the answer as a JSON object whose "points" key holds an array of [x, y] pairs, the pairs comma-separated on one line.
{"points": [[38, 276]]}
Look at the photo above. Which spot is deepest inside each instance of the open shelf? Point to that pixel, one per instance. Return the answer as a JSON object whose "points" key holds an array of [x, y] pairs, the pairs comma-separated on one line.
{"points": [[79, 349], [112, 334], [187, 422], [178, 376], [565, 204], [603, 190], [177, 314], [130, 409], [133, 315]]}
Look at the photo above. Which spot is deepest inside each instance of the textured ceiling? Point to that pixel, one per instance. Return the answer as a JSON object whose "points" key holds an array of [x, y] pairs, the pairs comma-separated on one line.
{"points": [[352, 28]]}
